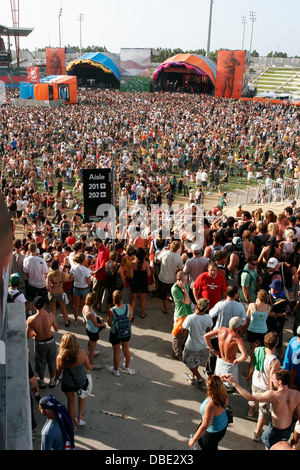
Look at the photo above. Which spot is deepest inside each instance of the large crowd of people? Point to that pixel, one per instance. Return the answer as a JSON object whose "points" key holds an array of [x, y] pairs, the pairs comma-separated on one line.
{"points": [[167, 150]]}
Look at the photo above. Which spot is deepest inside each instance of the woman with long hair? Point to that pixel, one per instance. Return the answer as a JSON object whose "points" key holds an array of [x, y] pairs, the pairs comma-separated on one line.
{"points": [[214, 417], [270, 217], [271, 250], [247, 244], [121, 309], [141, 270], [115, 279], [126, 263], [72, 362], [47, 229], [94, 324], [257, 316]]}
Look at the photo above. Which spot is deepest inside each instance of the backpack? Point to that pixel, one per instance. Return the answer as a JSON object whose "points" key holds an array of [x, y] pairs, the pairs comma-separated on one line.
{"points": [[242, 259], [11, 297], [157, 249], [240, 277], [215, 249], [122, 323], [65, 226]]}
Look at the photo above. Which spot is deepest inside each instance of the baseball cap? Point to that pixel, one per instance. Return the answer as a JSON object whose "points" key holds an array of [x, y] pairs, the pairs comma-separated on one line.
{"points": [[236, 322], [195, 247], [298, 330], [272, 263], [14, 279], [275, 284], [47, 256], [237, 241]]}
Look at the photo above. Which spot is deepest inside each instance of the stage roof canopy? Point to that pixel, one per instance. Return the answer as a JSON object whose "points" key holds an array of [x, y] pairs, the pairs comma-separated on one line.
{"points": [[8, 31], [96, 59], [206, 65]]}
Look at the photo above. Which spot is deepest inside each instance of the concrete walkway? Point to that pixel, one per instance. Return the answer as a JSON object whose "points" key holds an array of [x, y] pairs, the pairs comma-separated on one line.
{"points": [[156, 409]]}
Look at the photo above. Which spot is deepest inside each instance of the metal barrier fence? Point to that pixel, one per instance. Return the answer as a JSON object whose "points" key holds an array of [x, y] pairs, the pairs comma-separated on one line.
{"points": [[269, 193]]}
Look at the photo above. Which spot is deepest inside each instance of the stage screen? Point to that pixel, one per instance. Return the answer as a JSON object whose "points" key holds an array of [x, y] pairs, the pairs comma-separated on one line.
{"points": [[135, 69], [230, 74], [55, 61]]}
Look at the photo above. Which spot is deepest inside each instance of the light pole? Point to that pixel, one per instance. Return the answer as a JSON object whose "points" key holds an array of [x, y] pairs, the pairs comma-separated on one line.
{"points": [[209, 29], [80, 19], [59, 17], [244, 21], [253, 19]]}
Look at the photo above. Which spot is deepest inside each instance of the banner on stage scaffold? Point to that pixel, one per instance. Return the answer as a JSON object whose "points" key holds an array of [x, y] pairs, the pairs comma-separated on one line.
{"points": [[55, 61], [230, 79]]}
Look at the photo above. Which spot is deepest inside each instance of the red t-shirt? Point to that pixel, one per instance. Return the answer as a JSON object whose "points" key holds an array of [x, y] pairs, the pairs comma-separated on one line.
{"points": [[210, 288], [102, 258], [70, 240]]}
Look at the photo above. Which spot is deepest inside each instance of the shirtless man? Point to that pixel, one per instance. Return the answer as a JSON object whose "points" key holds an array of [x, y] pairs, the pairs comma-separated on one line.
{"points": [[284, 401], [229, 341], [40, 327]]}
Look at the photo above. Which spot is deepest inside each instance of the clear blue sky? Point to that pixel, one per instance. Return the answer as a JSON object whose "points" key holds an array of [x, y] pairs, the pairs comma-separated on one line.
{"points": [[160, 23]]}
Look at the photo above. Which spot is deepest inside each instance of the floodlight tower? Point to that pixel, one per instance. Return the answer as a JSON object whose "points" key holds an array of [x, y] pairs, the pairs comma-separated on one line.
{"points": [[80, 19], [253, 19], [209, 29], [244, 21], [15, 11], [59, 31]]}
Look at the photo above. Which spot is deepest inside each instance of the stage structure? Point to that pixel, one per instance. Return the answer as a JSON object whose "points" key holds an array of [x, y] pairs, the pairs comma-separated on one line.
{"points": [[186, 73], [95, 70], [232, 74], [53, 88], [135, 65], [8, 32]]}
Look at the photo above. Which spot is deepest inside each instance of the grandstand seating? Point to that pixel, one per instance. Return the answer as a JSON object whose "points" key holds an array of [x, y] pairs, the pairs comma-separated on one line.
{"points": [[279, 80]]}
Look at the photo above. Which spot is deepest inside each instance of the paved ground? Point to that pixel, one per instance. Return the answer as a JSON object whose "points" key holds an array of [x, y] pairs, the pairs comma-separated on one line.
{"points": [[156, 409]]}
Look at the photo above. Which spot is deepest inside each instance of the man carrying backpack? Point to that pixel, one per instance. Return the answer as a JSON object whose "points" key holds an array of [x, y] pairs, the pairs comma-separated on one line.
{"points": [[237, 261], [65, 227], [249, 279], [14, 295]]}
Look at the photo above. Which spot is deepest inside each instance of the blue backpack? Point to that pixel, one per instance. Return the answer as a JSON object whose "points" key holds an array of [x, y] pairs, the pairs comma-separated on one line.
{"points": [[122, 323]]}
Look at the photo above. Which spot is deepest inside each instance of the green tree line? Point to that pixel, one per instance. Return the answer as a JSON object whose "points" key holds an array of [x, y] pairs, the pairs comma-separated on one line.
{"points": [[163, 53]]}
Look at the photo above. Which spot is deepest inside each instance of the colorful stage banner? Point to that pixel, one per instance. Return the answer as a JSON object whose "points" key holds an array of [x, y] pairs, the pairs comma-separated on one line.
{"points": [[230, 74], [55, 61], [33, 74], [135, 67]]}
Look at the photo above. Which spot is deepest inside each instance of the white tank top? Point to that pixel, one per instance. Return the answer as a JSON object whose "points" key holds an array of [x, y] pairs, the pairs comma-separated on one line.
{"points": [[261, 379]]}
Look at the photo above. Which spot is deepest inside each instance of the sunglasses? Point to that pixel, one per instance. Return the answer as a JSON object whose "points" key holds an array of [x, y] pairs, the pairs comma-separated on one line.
{"points": [[254, 264]]}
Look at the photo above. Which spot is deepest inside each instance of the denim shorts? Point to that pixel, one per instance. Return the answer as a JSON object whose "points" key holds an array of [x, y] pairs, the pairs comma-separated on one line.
{"points": [[81, 292], [273, 435]]}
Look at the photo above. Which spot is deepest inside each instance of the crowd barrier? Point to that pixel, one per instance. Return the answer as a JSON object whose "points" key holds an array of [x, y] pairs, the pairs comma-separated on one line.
{"points": [[272, 192]]}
